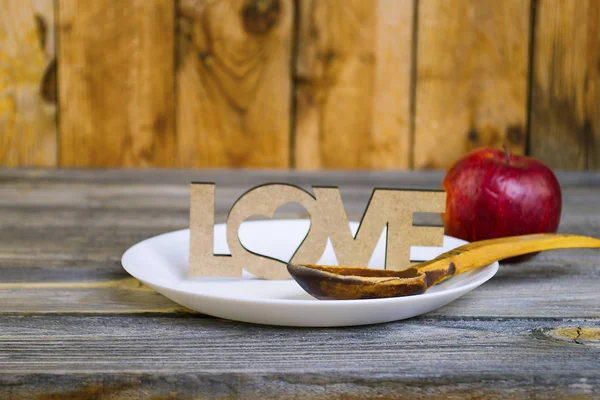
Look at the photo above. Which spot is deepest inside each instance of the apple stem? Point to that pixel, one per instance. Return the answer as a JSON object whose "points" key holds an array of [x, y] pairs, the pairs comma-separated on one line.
{"points": [[507, 154]]}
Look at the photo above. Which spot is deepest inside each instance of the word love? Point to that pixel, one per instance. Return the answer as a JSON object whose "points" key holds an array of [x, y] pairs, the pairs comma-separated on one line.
{"points": [[391, 208]]}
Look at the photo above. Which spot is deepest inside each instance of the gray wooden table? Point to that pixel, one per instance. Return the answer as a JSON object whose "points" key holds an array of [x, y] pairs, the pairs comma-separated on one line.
{"points": [[73, 324]]}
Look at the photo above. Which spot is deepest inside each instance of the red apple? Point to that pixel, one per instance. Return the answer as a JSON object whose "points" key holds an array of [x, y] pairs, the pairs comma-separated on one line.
{"points": [[493, 194]]}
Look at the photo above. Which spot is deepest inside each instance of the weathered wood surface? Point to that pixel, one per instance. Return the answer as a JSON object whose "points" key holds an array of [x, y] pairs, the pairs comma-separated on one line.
{"points": [[192, 357], [564, 85], [72, 321], [27, 83], [116, 87], [471, 78], [234, 83], [353, 75]]}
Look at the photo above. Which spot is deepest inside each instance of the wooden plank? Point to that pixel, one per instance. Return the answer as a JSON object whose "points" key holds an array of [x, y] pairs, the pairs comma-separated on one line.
{"points": [[593, 149], [76, 266], [472, 64], [565, 95], [234, 83], [87, 198], [353, 84], [73, 324], [27, 83], [121, 296], [231, 178], [129, 357], [65, 245], [45, 211], [116, 83], [260, 385], [546, 290]]}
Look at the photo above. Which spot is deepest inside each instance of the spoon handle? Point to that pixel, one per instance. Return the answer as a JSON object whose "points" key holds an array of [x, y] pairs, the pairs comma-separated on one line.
{"points": [[478, 254]]}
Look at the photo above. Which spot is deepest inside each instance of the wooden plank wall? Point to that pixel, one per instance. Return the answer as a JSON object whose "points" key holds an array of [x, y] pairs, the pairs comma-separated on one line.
{"points": [[307, 84], [471, 78], [234, 83], [353, 69], [115, 76], [565, 88], [27, 83]]}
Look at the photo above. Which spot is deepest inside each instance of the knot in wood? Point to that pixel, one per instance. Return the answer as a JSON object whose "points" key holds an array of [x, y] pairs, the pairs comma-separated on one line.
{"points": [[473, 135], [514, 134], [575, 334], [48, 88], [260, 16]]}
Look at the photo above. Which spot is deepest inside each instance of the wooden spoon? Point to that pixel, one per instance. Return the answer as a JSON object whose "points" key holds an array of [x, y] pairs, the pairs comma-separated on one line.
{"points": [[350, 283]]}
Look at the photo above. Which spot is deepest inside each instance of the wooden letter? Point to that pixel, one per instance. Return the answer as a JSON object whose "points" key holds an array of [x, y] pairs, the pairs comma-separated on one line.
{"points": [[391, 208], [328, 219], [202, 221], [264, 200]]}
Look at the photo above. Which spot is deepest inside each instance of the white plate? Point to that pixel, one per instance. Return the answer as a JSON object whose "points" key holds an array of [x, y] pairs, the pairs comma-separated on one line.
{"points": [[161, 262]]}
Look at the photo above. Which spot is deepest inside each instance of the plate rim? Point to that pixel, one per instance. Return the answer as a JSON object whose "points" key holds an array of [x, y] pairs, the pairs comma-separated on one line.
{"points": [[488, 272]]}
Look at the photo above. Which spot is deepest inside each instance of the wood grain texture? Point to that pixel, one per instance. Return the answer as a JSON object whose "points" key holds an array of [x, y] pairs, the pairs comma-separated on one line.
{"points": [[122, 296], [353, 84], [233, 83], [229, 179], [116, 87], [565, 96], [276, 386], [81, 222], [472, 72], [538, 290], [27, 83], [73, 324], [126, 357]]}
